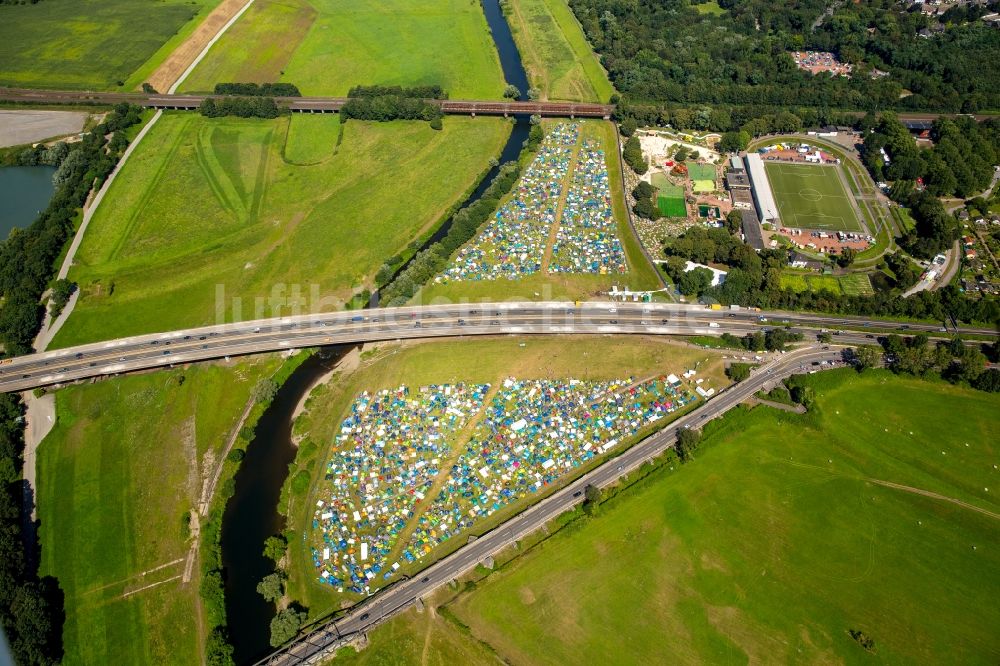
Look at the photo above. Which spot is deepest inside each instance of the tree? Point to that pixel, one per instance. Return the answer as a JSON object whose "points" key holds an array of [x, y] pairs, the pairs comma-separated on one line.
{"points": [[265, 390], [988, 381], [592, 499], [272, 586], [846, 257], [734, 221], [632, 154], [275, 547], [285, 625], [803, 395], [628, 127], [687, 442], [867, 356], [738, 371], [218, 651], [511, 91]]}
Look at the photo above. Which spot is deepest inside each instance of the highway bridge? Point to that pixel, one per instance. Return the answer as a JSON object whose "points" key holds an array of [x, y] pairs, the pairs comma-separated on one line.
{"points": [[314, 646], [304, 104], [156, 350]]}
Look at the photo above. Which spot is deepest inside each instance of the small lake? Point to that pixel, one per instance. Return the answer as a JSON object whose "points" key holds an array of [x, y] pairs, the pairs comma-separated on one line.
{"points": [[25, 191]]}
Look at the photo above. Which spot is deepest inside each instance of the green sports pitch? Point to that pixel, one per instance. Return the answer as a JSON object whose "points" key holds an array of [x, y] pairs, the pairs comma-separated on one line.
{"points": [[812, 197]]}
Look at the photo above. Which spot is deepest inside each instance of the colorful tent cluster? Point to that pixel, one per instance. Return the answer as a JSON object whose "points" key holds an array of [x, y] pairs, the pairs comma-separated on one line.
{"points": [[384, 461], [535, 432], [587, 238], [513, 243]]}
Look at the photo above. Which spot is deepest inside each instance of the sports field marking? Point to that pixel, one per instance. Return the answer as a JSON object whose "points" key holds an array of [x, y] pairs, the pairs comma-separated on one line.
{"points": [[812, 197]]}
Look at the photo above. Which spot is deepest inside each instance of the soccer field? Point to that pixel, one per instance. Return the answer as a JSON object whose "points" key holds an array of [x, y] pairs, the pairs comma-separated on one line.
{"points": [[812, 197]]}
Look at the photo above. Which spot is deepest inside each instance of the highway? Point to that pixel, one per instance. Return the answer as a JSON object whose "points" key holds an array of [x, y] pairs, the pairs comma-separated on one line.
{"points": [[542, 318], [190, 102], [401, 595]]}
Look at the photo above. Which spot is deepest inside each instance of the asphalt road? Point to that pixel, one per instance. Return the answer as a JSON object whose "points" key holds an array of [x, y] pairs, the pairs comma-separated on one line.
{"points": [[544, 318], [402, 594]]}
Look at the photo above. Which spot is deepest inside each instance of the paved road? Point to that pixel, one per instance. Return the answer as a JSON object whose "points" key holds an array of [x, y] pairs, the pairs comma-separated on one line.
{"points": [[305, 104], [401, 595], [544, 318]]}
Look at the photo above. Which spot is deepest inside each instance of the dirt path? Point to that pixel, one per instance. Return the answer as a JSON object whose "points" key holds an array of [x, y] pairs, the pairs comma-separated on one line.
{"points": [[561, 204], [179, 63], [944, 498], [40, 417]]}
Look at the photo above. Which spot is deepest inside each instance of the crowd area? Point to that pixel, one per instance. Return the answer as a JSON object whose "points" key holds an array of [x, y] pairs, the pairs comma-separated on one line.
{"points": [[512, 245], [395, 443], [384, 460], [587, 238]]}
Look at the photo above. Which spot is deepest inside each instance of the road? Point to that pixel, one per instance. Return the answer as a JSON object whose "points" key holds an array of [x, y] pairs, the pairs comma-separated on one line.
{"points": [[543, 318], [305, 104], [401, 595]]}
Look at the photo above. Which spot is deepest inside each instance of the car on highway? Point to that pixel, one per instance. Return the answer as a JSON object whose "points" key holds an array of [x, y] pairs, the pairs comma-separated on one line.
{"points": [[364, 617]]}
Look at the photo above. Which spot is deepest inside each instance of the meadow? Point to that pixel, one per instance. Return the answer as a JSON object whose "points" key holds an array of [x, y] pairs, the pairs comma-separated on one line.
{"points": [[470, 361], [327, 46], [556, 54], [544, 285], [116, 476], [853, 284], [87, 44], [208, 210], [785, 533], [812, 197]]}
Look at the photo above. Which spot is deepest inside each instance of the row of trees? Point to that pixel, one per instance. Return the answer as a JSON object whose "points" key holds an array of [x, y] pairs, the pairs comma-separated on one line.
{"points": [[258, 89], [390, 107], [414, 92], [31, 608], [28, 256], [632, 154], [243, 107], [669, 52], [953, 360], [464, 225]]}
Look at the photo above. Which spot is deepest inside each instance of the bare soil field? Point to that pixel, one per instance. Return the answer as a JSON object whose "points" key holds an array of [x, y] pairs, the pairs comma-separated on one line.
{"points": [[20, 127]]}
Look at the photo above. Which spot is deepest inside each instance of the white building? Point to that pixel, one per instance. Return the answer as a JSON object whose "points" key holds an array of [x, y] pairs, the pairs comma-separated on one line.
{"points": [[763, 198]]}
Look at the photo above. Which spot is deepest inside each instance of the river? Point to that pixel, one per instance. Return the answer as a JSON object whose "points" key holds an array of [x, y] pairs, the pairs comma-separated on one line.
{"points": [[251, 515], [25, 191]]}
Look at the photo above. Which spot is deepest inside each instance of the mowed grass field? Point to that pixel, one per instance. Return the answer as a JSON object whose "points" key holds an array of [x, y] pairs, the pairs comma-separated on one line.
{"points": [[125, 461], [854, 284], [89, 44], [563, 286], [779, 539], [811, 197], [327, 46], [209, 209], [472, 361], [556, 54]]}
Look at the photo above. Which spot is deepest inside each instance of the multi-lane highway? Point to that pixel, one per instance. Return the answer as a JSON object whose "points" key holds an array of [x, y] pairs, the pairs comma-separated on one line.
{"points": [[544, 318], [401, 595]]}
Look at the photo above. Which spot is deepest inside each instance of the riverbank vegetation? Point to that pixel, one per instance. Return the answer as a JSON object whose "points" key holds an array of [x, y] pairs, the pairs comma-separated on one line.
{"points": [[120, 481], [327, 46], [471, 361], [896, 491], [209, 202], [557, 58], [671, 52], [28, 257], [89, 44]]}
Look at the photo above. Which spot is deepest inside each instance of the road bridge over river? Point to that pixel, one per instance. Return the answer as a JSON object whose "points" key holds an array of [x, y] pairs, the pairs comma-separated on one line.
{"points": [[157, 350], [305, 104]]}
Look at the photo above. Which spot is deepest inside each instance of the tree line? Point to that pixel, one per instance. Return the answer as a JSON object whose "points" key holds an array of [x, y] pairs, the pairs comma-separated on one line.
{"points": [[243, 107], [385, 107], [28, 256], [669, 52], [258, 89], [953, 360], [31, 608], [416, 92]]}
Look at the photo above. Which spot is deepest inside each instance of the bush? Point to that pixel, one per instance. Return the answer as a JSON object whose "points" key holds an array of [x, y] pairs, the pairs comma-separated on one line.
{"points": [[436, 124], [236, 455]]}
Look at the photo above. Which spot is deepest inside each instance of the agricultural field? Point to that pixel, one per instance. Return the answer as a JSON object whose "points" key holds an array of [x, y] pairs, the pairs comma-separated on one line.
{"points": [[853, 284], [211, 210], [86, 44], [562, 232], [116, 476], [786, 533], [327, 46], [812, 197], [456, 393], [556, 54]]}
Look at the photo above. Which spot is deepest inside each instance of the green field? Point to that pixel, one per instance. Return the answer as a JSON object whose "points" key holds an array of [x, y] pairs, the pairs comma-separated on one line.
{"points": [[669, 198], [712, 7], [811, 197], [209, 205], [777, 541], [327, 46], [124, 463], [564, 286], [854, 284], [88, 44], [556, 54], [698, 171], [475, 360]]}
